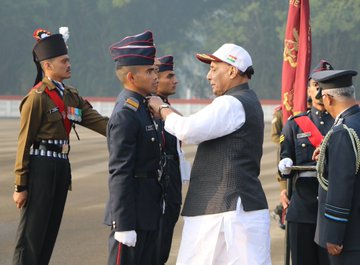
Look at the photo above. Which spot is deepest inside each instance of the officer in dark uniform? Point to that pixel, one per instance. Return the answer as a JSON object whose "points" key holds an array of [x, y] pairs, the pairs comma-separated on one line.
{"points": [[171, 181], [300, 136], [134, 205], [338, 227], [276, 128], [42, 169]]}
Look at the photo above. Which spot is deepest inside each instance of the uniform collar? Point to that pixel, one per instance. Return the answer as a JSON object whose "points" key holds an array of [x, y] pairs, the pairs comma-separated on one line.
{"points": [[319, 112], [165, 99], [130, 93], [48, 83], [348, 112]]}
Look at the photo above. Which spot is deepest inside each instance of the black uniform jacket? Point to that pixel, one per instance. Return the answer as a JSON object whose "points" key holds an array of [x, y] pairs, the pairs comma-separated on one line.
{"points": [[296, 145], [339, 208], [134, 155]]}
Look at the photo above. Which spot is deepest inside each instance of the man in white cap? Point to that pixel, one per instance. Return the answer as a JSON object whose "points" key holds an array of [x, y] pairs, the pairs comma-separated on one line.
{"points": [[225, 211]]}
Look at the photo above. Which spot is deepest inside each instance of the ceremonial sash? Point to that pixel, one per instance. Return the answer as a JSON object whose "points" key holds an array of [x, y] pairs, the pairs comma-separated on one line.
{"points": [[306, 125], [60, 104]]}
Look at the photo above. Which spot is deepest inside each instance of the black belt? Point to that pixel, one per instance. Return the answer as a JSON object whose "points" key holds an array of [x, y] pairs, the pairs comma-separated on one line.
{"points": [[147, 174]]}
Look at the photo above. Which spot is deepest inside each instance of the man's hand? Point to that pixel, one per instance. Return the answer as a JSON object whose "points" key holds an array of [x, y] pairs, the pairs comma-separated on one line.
{"points": [[126, 237], [334, 249], [154, 103], [284, 165], [20, 198], [316, 153], [284, 199]]}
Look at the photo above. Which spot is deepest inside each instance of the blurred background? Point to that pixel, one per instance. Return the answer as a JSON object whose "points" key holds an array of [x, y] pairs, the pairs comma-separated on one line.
{"points": [[181, 28]]}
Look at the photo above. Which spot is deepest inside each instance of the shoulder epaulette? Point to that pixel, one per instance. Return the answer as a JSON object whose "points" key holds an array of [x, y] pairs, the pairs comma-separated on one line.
{"points": [[299, 115], [72, 89], [39, 88], [132, 104], [278, 108]]}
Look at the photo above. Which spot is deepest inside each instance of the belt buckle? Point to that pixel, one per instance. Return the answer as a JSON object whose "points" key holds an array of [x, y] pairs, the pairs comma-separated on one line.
{"points": [[65, 149]]}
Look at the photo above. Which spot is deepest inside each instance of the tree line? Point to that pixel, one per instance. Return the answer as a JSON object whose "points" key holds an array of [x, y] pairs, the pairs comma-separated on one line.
{"points": [[181, 28]]}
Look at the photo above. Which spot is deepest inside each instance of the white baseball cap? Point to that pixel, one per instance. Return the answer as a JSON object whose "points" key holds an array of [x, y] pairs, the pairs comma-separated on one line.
{"points": [[228, 53]]}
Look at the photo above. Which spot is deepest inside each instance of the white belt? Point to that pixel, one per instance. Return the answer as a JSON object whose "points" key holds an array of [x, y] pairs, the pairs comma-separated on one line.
{"points": [[307, 174]]}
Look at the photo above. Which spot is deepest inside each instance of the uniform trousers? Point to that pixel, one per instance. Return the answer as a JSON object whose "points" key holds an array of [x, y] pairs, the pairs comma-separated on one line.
{"points": [[40, 219], [303, 248], [141, 254], [346, 258], [230, 238], [166, 230]]}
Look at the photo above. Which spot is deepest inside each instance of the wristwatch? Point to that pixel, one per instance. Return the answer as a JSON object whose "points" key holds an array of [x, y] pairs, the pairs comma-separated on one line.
{"points": [[20, 188]]}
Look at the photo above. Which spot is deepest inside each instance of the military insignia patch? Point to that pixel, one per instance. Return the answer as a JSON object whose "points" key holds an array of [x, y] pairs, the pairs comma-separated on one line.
{"points": [[149, 128], [132, 103], [282, 138]]}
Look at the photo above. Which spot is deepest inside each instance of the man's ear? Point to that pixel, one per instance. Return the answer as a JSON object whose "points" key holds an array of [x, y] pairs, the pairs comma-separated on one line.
{"points": [[47, 65], [130, 77], [233, 72]]}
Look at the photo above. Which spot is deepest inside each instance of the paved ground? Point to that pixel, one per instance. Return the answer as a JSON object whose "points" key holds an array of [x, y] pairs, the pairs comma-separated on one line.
{"points": [[82, 238]]}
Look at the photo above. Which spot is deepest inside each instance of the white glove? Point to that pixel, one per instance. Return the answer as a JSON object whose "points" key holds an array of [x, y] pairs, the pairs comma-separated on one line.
{"points": [[126, 237], [284, 165]]}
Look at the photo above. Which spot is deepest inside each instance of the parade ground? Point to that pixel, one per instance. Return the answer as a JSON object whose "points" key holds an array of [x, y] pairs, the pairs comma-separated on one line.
{"points": [[82, 237]]}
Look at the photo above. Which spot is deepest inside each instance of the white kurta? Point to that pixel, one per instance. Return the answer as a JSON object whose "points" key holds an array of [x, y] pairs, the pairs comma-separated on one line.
{"points": [[234, 237]]}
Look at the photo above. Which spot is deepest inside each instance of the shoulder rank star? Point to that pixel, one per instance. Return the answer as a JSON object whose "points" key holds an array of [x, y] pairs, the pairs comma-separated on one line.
{"points": [[132, 103]]}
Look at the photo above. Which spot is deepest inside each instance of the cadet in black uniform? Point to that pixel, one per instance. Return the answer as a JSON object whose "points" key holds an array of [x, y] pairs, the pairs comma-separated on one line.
{"points": [[134, 205], [42, 169], [300, 136], [171, 181], [338, 227]]}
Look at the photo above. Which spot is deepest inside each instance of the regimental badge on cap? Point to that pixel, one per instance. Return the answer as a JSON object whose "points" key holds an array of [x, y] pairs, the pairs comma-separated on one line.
{"points": [[132, 103], [40, 34], [322, 66]]}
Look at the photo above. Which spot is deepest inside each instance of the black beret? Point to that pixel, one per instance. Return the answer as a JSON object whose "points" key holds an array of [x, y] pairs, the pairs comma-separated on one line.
{"points": [[166, 63]]}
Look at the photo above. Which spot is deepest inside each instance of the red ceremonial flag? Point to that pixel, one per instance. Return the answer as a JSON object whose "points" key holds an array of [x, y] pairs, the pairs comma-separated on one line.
{"points": [[297, 59]]}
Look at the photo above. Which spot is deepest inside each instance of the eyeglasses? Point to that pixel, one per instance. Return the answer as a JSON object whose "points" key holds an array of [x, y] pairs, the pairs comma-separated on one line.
{"points": [[323, 94]]}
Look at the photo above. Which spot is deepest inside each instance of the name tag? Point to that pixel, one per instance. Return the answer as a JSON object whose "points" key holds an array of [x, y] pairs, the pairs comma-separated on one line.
{"points": [[303, 135], [149, 128], [54, 110]]}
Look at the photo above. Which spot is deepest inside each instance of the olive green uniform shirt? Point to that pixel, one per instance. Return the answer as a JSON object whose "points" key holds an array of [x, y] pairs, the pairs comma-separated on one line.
{"points": [[40, 119]]}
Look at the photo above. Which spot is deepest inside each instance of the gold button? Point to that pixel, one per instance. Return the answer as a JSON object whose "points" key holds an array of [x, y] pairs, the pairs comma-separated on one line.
{"points": [[303, 145]]}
